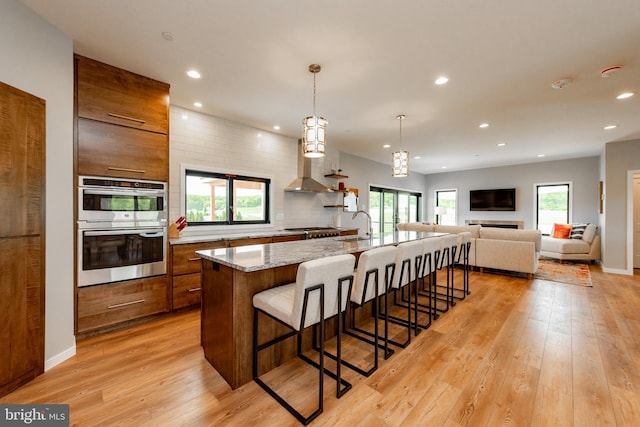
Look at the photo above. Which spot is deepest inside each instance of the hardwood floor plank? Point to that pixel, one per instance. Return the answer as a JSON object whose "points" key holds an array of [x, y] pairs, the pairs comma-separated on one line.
{"points": [[515, 352]]}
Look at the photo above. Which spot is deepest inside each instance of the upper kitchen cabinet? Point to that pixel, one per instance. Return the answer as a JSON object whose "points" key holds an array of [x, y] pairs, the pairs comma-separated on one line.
{"points": [[113, 95], [122, 123]]}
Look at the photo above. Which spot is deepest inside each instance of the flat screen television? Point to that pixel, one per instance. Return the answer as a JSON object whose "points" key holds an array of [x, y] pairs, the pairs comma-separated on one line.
{"points": [[503, 199]]}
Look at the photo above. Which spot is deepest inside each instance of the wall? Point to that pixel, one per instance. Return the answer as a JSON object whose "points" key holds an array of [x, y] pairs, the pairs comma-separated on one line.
{"points": [[38, 59], [584, 173], [363, 173], [201, 140], [620, 158]]}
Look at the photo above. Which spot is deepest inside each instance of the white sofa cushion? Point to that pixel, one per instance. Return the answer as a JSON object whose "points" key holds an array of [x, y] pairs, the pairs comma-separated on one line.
{"points": [[511, 234], [589, 233], [565, 246]]}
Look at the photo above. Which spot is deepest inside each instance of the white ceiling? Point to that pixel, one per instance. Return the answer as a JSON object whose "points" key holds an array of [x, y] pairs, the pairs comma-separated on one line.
{"points": [[380, 59]]}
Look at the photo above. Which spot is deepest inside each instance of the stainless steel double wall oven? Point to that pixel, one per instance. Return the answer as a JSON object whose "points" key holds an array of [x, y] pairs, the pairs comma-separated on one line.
{"points": [[122, 229]]}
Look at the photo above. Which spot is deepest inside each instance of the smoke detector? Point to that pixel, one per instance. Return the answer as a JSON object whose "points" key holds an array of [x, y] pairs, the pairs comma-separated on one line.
{"points": [[608, 72], [561, 84]]}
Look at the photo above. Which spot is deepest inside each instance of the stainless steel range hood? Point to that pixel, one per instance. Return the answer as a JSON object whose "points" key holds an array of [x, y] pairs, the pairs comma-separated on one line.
{"points": [[304, 183]]}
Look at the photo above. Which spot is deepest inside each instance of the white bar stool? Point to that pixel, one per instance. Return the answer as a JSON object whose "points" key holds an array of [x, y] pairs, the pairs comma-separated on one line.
{"points": [[319, 287], [373, 277], [462, 258], [408, 263], [448, 248]]}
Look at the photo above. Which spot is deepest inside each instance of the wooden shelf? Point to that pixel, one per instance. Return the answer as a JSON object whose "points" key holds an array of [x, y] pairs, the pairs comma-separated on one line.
{"points": [[336, 176]]}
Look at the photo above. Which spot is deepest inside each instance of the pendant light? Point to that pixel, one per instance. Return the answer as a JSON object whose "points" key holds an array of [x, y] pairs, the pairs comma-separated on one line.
{"points": [[400, 158], [314, 127]]}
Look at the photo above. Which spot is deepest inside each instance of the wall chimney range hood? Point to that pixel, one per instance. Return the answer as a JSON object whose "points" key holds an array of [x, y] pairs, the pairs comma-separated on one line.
{"points": [[304, 183]]}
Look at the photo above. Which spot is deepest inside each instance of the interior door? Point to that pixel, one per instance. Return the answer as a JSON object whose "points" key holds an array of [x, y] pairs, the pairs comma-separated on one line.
{"points": [[636, 221]]}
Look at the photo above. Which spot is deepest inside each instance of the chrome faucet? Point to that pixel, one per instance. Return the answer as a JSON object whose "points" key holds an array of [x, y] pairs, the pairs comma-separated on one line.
{"points": [[369, 233]]}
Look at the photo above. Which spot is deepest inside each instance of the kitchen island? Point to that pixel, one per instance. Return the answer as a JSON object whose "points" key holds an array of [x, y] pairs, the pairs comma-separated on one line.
{"points": [[230, 278]]}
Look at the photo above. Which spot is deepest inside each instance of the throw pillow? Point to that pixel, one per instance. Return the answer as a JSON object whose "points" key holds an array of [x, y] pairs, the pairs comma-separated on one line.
{"points": [[561, 231], [577, 230]]}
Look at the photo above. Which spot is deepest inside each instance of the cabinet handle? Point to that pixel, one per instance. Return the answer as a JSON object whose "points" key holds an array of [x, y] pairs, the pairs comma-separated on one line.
{"points": [[194, 290], [194, 259], [113, 168], [124, 304], [133, 119]]}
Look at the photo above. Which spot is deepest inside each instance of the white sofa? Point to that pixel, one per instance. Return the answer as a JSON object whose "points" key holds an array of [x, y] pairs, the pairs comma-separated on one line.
{"points": [[586, 248], [497, 248]]}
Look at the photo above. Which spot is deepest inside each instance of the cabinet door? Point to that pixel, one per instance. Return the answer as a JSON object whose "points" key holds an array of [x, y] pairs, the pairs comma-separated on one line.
{"points": [[22, 133], [250, 241], [21, 312], [105, 305], [107, 150], [113, 95]]}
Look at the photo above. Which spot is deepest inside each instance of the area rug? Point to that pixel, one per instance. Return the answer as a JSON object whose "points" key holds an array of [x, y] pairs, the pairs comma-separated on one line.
{"points": [[567, 272]]}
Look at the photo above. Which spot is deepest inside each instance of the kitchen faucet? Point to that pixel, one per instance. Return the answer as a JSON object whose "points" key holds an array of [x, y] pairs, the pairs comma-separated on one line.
{"points": [[369, 232]]}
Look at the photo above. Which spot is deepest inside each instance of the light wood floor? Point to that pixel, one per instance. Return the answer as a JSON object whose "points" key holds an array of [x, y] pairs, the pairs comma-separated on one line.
{"points": [[516, 352]]}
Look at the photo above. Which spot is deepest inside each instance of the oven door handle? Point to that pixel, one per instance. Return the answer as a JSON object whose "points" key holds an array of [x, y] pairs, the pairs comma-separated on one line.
{"points": [[153, 232], [132, 192]]}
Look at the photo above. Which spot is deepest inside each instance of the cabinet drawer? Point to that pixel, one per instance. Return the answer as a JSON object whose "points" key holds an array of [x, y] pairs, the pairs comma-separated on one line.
{"points": [[108, 150], [184, 259], [289, 238], [250, 241], [105, 305], [113, 95], [186, 290]]}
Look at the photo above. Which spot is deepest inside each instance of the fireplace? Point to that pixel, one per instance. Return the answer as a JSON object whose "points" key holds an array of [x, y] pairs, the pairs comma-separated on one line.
{"points": [[495, 223]]}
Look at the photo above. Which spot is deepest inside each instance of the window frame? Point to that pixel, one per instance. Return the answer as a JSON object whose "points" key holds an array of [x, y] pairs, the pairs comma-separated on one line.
{"points": [[229, 177], [435, 202], [395, 193], [536, 186]]}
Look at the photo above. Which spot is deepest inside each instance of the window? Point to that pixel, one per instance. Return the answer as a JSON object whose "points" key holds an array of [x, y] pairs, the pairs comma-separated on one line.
{"points": [[219, 199], [390, 207], [447, 199], [552, 205]]}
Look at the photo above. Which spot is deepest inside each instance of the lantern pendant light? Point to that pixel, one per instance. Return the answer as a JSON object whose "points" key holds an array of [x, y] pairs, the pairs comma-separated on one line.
{"points": [[314, 127], [400, 158]]}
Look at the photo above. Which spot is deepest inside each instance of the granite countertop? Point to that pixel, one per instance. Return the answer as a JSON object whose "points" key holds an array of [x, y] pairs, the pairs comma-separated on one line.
{"points": [[262, 257], [202, 238]]}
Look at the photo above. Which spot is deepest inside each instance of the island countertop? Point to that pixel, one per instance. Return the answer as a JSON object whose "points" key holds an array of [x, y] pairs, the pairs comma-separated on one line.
{"points": [[260, 257]]}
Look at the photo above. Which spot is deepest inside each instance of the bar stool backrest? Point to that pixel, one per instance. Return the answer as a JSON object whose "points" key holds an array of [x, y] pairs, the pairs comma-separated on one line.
{"points": [[373, 259], [463, 239], [406, 271], [329, 271], [430, 249], [448, 243]]}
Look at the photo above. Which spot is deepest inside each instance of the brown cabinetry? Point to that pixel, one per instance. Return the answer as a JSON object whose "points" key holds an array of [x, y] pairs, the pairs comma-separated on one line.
{"points": [[185, 272], [22, 240], [113, 95], [250, 241], [104, 305], [288, 238], [123, 123]]}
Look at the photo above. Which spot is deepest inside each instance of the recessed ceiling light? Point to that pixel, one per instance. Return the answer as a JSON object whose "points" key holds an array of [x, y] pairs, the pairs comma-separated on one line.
{"points": [[483, 125], [417, 157], [197, 104], [184, 116], [609, 127], [443, 167], [276, 127], [193, 74], [540, 155], [501, 144], [625, 95], [259, 135], [386, 146], [167, 36], [441, 80]]}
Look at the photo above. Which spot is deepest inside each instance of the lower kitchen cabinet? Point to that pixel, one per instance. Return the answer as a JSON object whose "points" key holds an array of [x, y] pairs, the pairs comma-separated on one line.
{"points": [[250, 241], [100, 306], [288, 238], [184, 267]]}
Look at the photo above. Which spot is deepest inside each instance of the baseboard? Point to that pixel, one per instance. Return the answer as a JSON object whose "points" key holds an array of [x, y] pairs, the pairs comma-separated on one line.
{"points": [[616, 270], [60, 357]]}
